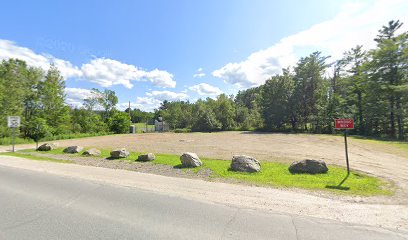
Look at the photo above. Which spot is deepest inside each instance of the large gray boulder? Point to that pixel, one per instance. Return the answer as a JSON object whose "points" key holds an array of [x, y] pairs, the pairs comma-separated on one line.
{"points": [[47, 147], [189, 159], [243, 163], [308, 166], [119, 153], [146, 157], [93, 152], [73, 149]]}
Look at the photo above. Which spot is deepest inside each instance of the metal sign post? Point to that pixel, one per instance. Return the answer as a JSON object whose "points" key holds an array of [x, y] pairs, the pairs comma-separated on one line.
{"points": [[13, 138], [345, 123], [347, 160], [13, 122]]}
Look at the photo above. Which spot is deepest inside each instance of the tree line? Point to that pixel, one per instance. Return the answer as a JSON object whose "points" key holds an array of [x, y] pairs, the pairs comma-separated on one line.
{"points": [[369, 86], [38, 97]]}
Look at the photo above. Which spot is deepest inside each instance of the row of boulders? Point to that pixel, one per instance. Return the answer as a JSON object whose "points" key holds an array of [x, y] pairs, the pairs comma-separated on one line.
{"points": [[73, 149], [239, 163], [93, 152], [189, 159], [146, 157], [119, 153], [47, 147], [243, 163], [308, 166]]}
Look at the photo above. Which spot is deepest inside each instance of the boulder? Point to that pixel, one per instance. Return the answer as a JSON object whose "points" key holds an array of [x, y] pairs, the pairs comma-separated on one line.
{"points": [[146, 157], [119, 153], [47, 147], [93, 152], [243, 163], [189, 159], [308, 166], [73, 149]]}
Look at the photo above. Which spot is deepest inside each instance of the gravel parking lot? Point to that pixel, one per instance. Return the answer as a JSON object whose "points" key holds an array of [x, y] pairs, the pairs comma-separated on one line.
{"points": [[384, 160]]}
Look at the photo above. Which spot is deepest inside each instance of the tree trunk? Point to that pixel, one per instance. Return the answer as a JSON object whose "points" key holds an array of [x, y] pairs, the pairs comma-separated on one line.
{"points": [[392, 118], [293, 123], [360, 114], [400, 120]]}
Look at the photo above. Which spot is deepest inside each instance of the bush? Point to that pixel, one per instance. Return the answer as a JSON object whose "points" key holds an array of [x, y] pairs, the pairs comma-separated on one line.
{"points": [[36, 129], [119, 122], [182, 130]]}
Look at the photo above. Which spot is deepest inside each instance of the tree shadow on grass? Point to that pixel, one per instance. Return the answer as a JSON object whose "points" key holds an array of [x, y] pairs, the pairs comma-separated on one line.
{"points": [[339, 186]]}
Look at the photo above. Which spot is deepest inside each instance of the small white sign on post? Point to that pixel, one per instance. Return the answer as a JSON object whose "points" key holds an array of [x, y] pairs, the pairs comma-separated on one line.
{"points": [[13, 121]]}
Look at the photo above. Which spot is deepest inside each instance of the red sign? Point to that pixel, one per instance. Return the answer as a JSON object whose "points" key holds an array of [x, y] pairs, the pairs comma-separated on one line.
{"points": [[344, 123]]}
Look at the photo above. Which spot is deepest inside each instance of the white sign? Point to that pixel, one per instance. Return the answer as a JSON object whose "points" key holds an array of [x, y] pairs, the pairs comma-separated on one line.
{"points": [[13, 121]]}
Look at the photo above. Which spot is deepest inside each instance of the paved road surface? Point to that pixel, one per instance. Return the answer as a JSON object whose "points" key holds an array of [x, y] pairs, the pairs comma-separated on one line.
{"points": [[35, 205]]}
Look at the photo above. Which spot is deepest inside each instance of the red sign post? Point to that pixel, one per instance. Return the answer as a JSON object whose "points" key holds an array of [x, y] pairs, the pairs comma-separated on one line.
{"points": [[345, 123]]}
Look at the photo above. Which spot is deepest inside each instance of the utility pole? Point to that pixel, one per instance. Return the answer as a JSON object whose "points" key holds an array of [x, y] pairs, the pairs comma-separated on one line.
{"points": [[129, 113]]}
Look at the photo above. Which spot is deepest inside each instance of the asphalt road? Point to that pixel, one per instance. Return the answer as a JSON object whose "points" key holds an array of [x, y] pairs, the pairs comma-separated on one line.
{"points": [[35, 205]]}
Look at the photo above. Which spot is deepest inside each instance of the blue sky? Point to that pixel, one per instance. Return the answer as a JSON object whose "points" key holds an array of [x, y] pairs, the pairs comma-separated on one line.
{"points": [[148, 51]]}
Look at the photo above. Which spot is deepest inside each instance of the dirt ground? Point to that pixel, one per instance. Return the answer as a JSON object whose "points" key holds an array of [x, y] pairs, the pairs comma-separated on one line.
{"points": [[382, 160]]}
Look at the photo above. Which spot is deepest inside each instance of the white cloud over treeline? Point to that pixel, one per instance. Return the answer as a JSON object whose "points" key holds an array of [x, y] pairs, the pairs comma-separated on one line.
{"points": [[357, 23], [102, 71]]}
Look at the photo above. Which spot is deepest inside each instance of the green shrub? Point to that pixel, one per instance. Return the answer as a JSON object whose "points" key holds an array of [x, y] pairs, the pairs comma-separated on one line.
{"points": [[119, 122], [182, 130]]}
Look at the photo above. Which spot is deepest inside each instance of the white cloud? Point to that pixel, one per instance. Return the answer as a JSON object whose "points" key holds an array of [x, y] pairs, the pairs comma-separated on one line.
{"points": [[102, 71], [159, 78], [153, 99], [108, 72], [356, 23], [147, 103], [205, 89], [167, 95], [199, 73], [9, 49], [133, 105], [67, 69], [75, 96]]}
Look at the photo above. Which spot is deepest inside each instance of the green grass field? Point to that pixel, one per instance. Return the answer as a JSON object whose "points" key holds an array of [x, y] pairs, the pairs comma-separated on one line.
{"points": [[140, 127], [277, 175]]}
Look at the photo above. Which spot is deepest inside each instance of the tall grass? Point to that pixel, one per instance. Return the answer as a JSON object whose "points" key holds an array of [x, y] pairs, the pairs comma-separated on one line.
{"points": [[8, 141]]}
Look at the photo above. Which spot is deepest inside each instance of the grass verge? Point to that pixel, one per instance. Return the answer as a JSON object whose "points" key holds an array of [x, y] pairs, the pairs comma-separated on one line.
{"points": [[19, 140], [277, 175], [32, 157]]}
